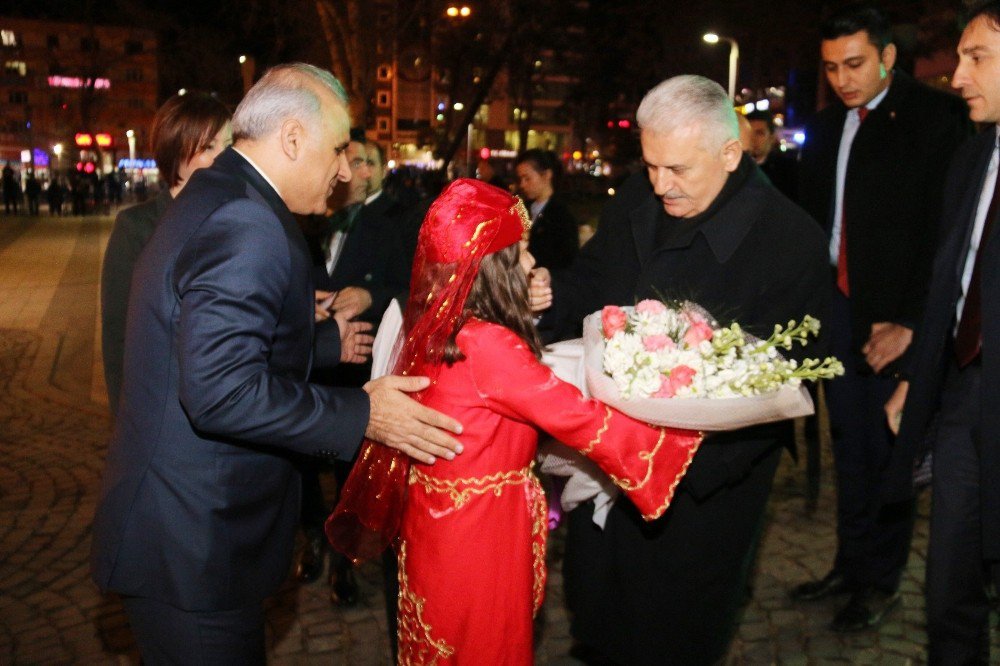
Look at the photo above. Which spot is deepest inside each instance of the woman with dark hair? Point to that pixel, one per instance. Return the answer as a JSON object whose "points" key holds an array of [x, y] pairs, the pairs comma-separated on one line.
{"points": [[189, 131], [471, 531], [555, 236]]}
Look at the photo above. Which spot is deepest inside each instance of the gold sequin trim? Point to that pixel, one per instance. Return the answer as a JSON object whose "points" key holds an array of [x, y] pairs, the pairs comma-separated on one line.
{"points": [[692, 449], [462, 490], [416, 644], [600, 433], [539, 536], [628, 484], [522, 212]]}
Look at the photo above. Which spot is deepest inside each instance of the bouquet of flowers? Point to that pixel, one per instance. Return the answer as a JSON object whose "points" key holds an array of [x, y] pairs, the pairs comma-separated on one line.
{"points": [[674, 365]]}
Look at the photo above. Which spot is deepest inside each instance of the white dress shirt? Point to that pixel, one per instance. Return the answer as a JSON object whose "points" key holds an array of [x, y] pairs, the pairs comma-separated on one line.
{"points": [[851, 124]]}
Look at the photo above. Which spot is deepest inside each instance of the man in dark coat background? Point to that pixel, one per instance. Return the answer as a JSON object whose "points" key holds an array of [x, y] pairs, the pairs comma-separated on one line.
{"points": [[955, 350], [200, 498], [703, 223], [871, 173]]}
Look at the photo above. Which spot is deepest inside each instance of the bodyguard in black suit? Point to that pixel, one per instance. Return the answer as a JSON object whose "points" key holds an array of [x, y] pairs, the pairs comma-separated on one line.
{"points": [[871, 171], [706, 225], [199, 500], [949, 399]]}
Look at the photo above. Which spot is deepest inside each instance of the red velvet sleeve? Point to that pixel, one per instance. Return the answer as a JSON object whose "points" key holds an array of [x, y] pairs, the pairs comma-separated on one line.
{"points": [[646, 462]]}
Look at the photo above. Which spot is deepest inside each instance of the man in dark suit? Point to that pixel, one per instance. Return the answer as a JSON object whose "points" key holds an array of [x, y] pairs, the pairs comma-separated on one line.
{"points": [[200, 499], [948, 398], [871, 173], [703, 223], [781, 168]]}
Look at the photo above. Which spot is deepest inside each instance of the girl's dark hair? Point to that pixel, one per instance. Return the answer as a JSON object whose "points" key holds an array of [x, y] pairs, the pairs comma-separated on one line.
{"points": [[182, 128], [498, 295]]}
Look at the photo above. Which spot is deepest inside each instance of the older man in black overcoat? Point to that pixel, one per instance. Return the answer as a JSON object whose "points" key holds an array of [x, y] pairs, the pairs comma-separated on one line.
{"points": [[703, 224]]}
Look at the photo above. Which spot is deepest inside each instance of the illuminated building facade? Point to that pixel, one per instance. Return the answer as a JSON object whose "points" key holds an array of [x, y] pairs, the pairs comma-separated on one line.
{"points": [[63, 81]]}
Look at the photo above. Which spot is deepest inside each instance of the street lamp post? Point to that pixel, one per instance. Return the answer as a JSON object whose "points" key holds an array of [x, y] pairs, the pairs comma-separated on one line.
{"points": [[734, 58]]}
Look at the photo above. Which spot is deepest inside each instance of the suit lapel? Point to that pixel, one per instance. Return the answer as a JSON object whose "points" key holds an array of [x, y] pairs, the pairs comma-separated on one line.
{"points": [[970, 199]]}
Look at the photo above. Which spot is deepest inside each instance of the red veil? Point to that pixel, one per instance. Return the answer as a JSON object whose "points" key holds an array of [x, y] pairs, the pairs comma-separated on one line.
{"points": [[468, 221]]}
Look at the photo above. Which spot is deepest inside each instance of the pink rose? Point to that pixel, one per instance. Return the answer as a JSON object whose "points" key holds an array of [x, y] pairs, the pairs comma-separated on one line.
{"points": [[650, 306], [654, 343], [682, 375], [697, 332], [613, 319], [666, 389], [678, 378]]}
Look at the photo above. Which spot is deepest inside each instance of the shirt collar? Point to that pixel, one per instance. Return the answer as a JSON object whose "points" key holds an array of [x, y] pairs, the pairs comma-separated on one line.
{"points": [[373, 197], [875, 101], [258, 170]]}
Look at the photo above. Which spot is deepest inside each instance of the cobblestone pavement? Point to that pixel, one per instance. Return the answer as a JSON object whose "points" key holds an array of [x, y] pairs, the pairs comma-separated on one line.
{"points": [[53, 431]]}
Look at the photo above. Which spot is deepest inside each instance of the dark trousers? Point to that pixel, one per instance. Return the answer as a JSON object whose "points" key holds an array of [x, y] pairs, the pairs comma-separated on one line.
{"points": [[957, 605], [168, 635], [873, 540], [668, 591]]}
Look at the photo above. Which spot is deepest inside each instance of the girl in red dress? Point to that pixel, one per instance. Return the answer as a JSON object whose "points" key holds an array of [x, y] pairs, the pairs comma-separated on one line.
{"points": [[470, 533]]}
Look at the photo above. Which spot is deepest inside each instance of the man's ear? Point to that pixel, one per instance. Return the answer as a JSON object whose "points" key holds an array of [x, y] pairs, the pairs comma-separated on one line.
{"points": [[292, 138], [732, 153], [888, 59]]}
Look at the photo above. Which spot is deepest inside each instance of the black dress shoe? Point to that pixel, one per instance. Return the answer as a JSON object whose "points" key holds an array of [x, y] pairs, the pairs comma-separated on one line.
{"points": [[343, 584], [830, 584], [309, 566], [866, 609]]}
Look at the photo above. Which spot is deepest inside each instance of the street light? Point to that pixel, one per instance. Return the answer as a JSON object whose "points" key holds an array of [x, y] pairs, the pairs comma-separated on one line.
{"points": [[734, 57], [130, 135], [57, 151]]}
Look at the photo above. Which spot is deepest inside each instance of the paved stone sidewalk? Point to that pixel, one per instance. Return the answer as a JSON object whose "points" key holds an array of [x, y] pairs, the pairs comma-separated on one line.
{"points": [[53, 429]]}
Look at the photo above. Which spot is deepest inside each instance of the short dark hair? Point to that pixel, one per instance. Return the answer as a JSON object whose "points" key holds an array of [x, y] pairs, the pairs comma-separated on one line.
{"points": [[856, 17], [182, 128], [990, 9], [766, 116], [540, 160]]}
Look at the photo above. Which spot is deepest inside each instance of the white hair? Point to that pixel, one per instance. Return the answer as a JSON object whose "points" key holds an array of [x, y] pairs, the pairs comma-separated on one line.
{"points": [[688, 100], [283, 92]]}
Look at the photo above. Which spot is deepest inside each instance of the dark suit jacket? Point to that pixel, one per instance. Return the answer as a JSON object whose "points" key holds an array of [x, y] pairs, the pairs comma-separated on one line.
{"points": [[555, 236], [758, 260], [199, 501], [133, 227], [932, 349], [892, 196]]}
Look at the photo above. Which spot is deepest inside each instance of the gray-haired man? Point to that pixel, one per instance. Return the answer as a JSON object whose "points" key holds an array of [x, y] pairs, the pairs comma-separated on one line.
{"points": [[199, 501], [704, 224]]}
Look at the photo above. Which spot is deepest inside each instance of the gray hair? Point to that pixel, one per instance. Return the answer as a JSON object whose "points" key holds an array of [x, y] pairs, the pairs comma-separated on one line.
{"points": [[687, 100], [283, 92]]}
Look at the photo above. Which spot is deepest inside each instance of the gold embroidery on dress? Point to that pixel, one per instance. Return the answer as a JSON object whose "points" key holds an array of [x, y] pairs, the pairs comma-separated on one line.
{"points": [[628, 484], [416, 645], [539, 535], [462, 490], [600, 433], [692, 449]]}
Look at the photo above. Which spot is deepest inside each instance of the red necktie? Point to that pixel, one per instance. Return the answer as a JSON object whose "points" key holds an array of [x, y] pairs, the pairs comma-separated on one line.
{"points": [[969, 338], [842, 283]]}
